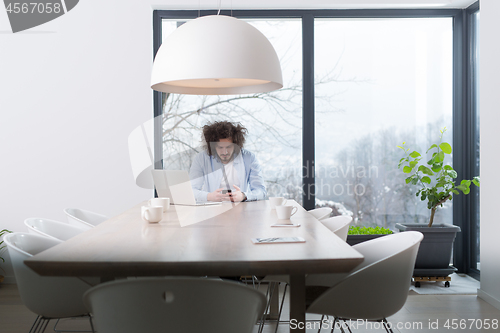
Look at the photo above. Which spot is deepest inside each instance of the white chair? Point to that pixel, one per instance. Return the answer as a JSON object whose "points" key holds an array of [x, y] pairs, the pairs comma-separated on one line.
{"points": [[338, 225], [320, 213], [52, 229], [48, 297], [85, 218], [178, 305], [379, 286]]}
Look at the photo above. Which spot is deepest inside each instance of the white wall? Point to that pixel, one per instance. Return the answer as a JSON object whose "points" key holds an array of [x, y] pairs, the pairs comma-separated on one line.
{"points": [[71, 91], [490, 160]]}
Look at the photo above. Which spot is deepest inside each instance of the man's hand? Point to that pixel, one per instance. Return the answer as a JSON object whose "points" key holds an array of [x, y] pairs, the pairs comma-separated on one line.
{"points": [[218, 196], [237, 195]]}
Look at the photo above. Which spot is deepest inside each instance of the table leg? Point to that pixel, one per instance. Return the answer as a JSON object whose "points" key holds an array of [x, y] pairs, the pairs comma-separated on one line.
{"points": [[297, 303]]}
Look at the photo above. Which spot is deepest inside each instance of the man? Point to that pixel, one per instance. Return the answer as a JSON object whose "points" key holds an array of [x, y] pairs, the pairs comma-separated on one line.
{"points": [[225, 171]]}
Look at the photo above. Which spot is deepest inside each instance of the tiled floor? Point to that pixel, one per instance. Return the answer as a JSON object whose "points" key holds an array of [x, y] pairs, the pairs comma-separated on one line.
{"points": [[419, 312]]}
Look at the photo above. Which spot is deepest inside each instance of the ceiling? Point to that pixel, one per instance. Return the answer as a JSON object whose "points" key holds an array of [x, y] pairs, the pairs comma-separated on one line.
{"points": [[310, 4]]}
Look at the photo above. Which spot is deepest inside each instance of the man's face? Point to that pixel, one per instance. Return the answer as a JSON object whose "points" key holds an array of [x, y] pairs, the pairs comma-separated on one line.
{"points": [[225, 150]]}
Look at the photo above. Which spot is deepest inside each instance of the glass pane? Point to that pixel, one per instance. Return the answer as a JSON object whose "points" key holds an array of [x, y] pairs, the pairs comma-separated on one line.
{"points": [[273, 120], [379, 82]]}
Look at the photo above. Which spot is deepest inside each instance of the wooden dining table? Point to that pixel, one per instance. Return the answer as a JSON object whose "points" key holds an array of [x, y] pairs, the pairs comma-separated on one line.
{"points": [[203, 241]]}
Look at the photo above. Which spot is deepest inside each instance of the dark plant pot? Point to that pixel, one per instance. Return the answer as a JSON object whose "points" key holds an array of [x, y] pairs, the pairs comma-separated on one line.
{"points": [[356, 239], [435, 250]]}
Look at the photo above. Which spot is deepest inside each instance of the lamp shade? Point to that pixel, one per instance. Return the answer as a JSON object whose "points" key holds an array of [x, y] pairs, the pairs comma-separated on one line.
{"points": [[216, 55]]}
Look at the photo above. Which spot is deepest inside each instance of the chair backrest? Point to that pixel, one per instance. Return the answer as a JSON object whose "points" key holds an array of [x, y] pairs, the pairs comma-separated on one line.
{"points": [[320, 213], [52, 229], [338, 225], [378, 288], [52, 297], [85, 218], [179, 304]]}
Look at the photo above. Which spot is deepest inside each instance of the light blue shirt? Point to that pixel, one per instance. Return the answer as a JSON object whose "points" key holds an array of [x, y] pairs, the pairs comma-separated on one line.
{"points": [[206, 175]]}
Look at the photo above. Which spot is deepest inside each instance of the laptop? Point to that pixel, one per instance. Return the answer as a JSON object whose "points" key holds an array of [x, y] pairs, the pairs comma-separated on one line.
{"points": [[176, 185]]}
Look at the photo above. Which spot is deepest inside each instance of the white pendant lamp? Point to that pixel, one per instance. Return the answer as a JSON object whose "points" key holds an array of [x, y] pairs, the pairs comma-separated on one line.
{"points": [[216, 55]]}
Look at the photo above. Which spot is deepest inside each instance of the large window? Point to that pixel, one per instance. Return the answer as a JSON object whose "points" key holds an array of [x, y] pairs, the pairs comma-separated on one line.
{"points": [[379, 82], [357, 83]]}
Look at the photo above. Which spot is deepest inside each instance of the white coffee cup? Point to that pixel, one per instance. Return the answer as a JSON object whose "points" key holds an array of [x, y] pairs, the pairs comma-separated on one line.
{"points": [[164, 202], [285, 212], [152, 214], [276, 201]]}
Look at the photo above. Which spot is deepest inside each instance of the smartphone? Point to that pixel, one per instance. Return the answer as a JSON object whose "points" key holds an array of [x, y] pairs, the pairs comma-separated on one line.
{"points": [[226, 191]]}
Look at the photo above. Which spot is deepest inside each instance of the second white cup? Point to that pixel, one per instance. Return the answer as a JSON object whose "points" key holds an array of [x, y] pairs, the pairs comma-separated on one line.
{"points": [[285, 212], [164, 202], [152, 214], [276, 201]]}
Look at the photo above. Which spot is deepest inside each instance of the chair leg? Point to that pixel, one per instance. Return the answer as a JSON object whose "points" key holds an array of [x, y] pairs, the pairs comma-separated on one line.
{"points": [[75, 331], [320, 323], [270, 294], [255, 286], [386, 326], [348, 328], [342, 326], [91, 324], [281, 307], [39, 325]]}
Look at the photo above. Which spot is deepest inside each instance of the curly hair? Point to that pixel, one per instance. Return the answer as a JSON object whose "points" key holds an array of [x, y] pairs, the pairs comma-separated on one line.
{"points": [[213, 132]]}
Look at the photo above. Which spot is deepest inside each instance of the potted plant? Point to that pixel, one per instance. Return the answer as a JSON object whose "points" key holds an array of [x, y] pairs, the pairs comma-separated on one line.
{"points": [[4, 231], [357, 235], [436, 184]]}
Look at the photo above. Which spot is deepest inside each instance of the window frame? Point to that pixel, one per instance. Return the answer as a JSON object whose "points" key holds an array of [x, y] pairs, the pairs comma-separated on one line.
{"points": [[463, 138], [465, 209]]}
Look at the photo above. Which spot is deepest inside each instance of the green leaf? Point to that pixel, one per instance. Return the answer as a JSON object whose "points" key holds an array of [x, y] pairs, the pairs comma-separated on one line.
{"points": [[407, 169], [441, 183], [476, 181], [455, 191], [413, 163], [437, 167], [465, 182], [415, 154], [426, 180], [448, 167], [425, 170], [439, 157], [400, 147], [408, 180], [445, 147], [464, 188], [414, 181], [433, 146], [452, 174]]}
